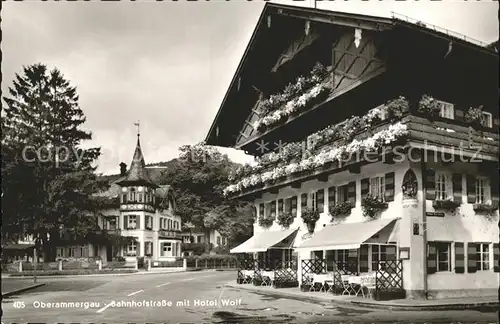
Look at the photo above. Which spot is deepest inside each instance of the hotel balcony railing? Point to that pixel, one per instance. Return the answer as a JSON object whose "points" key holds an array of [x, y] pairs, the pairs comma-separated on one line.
{"points": [[174, 234], [436, 132]]}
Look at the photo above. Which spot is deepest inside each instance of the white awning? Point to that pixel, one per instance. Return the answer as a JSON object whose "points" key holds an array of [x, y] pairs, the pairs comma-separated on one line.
{"points": [[345, 236], [263, 241]]}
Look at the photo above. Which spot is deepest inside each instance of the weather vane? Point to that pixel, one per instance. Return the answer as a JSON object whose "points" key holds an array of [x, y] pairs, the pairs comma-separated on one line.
{"points": [[137, 124]]}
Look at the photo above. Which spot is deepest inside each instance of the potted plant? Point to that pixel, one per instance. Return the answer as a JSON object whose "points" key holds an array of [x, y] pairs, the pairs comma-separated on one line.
{"points": [[428, 106], [448, 204], [372, 205], [396, 108], [310, 217], [340, 209], [474, 116], [285, 219]]}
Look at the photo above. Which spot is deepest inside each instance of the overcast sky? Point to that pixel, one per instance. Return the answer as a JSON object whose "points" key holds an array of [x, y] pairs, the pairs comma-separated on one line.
{"points": [[169, 64]]}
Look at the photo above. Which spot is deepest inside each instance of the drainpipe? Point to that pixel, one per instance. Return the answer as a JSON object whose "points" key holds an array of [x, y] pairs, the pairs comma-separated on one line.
{"points": [[424, 222]]}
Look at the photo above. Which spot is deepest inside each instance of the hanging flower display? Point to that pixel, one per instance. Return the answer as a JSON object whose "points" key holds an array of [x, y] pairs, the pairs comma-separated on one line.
{"points": [[331, 154]]}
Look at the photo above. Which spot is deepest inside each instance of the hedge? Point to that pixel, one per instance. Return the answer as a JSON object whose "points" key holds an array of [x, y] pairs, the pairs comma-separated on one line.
{"points": [[69, 272], [223, 257]]}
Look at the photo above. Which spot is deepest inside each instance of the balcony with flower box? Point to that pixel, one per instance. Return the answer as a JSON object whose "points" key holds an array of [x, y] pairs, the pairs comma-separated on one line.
{"points": [[328, 149]]}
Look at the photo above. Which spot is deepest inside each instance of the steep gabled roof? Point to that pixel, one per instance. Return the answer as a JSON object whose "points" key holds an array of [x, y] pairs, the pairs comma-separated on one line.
{"points": [[325, 16]]}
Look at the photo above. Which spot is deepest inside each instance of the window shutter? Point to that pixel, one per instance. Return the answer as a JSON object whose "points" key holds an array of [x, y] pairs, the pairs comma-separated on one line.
{"points": [[138, 249], [78, 251], [261, 210], [280, 207], [496, 257], [125, 222], [431, 259], [294, 205], [459, 114], [331, 196], [365, 188], [430, 184], [459, 257], [494, 190], [363, 258], [389, 186], [471, 189], [471, 257], [320, 200], [303, 201], [456, 179], [351, 192], [138, 222]]}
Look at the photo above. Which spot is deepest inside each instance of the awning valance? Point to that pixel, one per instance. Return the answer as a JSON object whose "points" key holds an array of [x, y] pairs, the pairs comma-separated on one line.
{"points": [[345, 236], [263, 241]]}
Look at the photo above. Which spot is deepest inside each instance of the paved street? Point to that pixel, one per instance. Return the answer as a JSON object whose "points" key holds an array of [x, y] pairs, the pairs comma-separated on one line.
{"points": [[187, 289]]}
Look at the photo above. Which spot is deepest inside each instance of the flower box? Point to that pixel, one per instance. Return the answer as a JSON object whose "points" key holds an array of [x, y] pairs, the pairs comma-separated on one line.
{"points": [[341, 209], [285, 219], [372, 206], [310, 217], [445, 204], [266, 222], [485, 208]]}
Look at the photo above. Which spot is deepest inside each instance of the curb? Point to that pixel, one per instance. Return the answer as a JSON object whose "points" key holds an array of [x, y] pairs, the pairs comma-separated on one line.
{"points": [[19, 291], [480, 305]]}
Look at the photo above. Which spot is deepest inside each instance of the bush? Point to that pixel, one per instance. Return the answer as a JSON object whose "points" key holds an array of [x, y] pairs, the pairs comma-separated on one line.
{"points": [[69, 272], [167, 264]]}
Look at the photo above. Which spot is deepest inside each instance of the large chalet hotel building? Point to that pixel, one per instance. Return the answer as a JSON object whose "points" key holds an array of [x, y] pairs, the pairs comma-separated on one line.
{"points": [[377, 151]]}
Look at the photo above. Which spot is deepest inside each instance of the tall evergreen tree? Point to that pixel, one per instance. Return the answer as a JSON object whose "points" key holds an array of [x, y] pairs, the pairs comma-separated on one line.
{"points": [[48, 179]]}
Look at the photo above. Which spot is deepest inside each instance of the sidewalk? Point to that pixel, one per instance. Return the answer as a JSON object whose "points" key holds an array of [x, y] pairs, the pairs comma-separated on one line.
{"points": [[397, 305], [139, 272], [14, 287]]}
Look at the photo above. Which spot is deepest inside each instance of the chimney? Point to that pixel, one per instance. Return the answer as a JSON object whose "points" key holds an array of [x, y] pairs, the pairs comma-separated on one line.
{"points": [[123, 169]]}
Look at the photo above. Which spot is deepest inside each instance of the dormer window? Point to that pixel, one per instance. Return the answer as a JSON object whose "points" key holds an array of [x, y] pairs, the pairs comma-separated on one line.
{"points": [[447, 109], [132, 195], [139, 197]]}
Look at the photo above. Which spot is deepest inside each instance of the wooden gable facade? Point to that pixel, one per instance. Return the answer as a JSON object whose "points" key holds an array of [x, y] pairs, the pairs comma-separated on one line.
{"points": [[369, 61]]}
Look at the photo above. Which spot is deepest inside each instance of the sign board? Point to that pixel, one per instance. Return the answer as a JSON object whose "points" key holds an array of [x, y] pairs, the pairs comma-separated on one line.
{"points": [[404, 253], [435, 214]]}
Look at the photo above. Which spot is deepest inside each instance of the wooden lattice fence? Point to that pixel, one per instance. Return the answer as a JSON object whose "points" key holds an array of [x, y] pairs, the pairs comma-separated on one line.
{"points": [[285, 274], [389, 280], [245, 263], [310, 267]]}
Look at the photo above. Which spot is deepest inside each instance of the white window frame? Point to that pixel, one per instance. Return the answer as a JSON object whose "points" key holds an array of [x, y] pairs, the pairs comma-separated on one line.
{"points": [[438, 261], [482, 190], [443, 186], [82, 249], [483, 257], [166, 249], [149, 222], [447, 110], [132, 248], [377, 187], [487, 119], [313, 199], [60, 252], [130, 223], [71, 252], [338, 192]]}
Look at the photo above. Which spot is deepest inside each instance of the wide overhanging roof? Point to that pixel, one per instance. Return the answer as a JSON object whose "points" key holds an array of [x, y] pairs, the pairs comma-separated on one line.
{"points": [[345, 236], [263, 241]]}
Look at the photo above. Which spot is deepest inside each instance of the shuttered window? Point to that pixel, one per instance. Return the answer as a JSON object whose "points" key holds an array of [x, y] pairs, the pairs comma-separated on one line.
{"points": [[496, 257], [430, 184], [331, 197], [294, 206], [482, 190], [320, 200], [280, 207], [459, 257], [482, 256], [438, 257], [456, 181], [261, 210], [351, 192], [471, 189], [303, 201], [471, 258]]}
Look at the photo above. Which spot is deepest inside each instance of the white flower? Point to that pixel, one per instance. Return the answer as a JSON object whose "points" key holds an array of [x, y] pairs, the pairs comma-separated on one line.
{"points": [[292, 168], [255, 179], [266, 176], [306, 164]]}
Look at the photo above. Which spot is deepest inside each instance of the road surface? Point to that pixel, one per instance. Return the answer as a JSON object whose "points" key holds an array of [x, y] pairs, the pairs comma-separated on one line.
{"points": [[191, 297]]}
